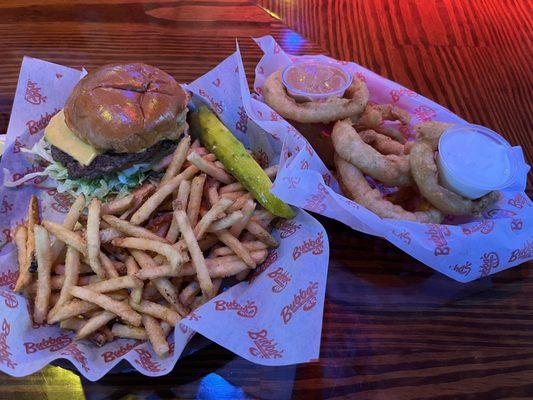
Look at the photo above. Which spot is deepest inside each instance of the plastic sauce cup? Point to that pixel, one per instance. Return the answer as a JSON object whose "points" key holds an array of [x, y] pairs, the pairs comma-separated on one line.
{"points": [[456, 161], [315, 80]]}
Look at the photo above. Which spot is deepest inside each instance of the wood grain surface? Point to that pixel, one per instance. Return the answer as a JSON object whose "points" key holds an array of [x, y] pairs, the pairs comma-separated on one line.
{"points": [[393, 328]]}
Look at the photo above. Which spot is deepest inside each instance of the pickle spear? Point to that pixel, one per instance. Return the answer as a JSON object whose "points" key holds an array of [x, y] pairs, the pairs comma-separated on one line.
{"points": [[232, 154]]}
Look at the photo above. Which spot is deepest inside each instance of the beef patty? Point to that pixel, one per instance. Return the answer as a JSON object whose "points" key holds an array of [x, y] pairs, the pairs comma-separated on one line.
{"points": [[109, 162]]}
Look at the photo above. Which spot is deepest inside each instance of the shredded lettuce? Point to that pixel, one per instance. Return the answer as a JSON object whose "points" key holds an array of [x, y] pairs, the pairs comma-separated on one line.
{"points": [[118, 183]]}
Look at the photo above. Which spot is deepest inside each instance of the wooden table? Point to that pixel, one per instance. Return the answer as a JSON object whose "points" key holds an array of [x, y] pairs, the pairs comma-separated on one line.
{"points": [[393, 328]]}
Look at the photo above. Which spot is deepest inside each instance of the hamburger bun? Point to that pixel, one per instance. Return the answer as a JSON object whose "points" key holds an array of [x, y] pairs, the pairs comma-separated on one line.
{"points": [[125, 108]]}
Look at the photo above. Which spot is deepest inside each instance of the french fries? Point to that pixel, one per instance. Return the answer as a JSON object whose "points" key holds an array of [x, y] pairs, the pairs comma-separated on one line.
{"points": [[209, 168], [93, 237], [107, 303], [135, 266], [131, 230], [67, 236], [33, 219], [158, 311], [179, 203], [178, 158], [172, 255], [44, 267], [196, 254], [132, 268], [72, 273], [24, 278], [195, 198], [117, 206], [211, 216], [94, 323], [155, 335], [69, 223], [128, 332], [226, 222]]}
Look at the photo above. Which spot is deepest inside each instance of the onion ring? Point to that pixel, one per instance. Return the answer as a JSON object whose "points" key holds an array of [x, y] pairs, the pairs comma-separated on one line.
{"points": [[352, 104], [425, 173], [390, 169], [382, 143], [376, 114], [355, 186]]}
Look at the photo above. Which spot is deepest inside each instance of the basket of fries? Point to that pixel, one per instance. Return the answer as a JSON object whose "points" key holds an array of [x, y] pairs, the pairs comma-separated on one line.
{"points": [[380, 140], [131, 270]]}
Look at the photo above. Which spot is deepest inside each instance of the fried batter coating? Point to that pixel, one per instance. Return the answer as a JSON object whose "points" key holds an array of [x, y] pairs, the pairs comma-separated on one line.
{"points": [[351, 105]]}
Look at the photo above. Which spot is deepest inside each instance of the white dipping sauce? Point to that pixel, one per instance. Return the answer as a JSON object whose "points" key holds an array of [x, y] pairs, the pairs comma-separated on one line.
{"points": [[474, 160]]}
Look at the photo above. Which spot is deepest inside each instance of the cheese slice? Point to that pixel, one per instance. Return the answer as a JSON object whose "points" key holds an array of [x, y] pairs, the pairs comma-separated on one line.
{"points": [[58, 134]]}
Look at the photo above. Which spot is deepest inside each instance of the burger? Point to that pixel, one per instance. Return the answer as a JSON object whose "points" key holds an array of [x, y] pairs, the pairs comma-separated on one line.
{"points": [[116, 125]]}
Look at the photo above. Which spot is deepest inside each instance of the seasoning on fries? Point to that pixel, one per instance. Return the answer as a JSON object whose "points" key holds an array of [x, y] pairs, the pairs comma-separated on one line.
{"points": [[135, 266]]}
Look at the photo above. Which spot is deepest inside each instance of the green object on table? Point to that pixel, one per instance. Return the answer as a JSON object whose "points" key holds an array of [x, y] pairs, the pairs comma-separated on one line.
{"points": [[220, 141]]}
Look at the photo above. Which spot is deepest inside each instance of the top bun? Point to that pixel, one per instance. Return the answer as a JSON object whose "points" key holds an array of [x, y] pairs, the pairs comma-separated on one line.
{"points": [[126, 107]]}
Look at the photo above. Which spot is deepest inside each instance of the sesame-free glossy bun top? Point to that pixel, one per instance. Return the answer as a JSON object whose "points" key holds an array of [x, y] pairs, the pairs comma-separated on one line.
{"points": [[126, 107]]}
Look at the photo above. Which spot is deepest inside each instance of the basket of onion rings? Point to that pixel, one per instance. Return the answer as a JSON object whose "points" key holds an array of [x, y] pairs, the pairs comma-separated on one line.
{"points": [[402, 167]]}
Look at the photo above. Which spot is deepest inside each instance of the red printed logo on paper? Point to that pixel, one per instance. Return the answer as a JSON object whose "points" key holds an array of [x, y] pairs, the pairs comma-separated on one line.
{"points": [[183, 328], [288, 228], [263, 346], [52, 344], [274, 116], [246, 310], [78, 355], [305, 299], [10, 299], [485, 227], [518, 201], [193, 316], [29, 170], [462, 269], [524, 253], [281, 279], [271, 258], [112, 355], [261, 70], [5, 354], [9, 278], [62, 201], [437, 235], [6, 206], [309, 149], [315, 246], [403, 235], [327, 178], [424, 113], [292, 182], [215, 106], [216, 82], [517, 224], [500, 213], [304, 164], [35, 126], [397, 94], [17, 145], [489, 261], [242, 123], [316, 201], [145, 361], [33, 93]]}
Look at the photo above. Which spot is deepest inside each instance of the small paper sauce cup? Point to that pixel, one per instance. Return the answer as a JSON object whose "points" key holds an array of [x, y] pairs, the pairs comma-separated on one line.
{"points": [[461, 181], [304, 95]]}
